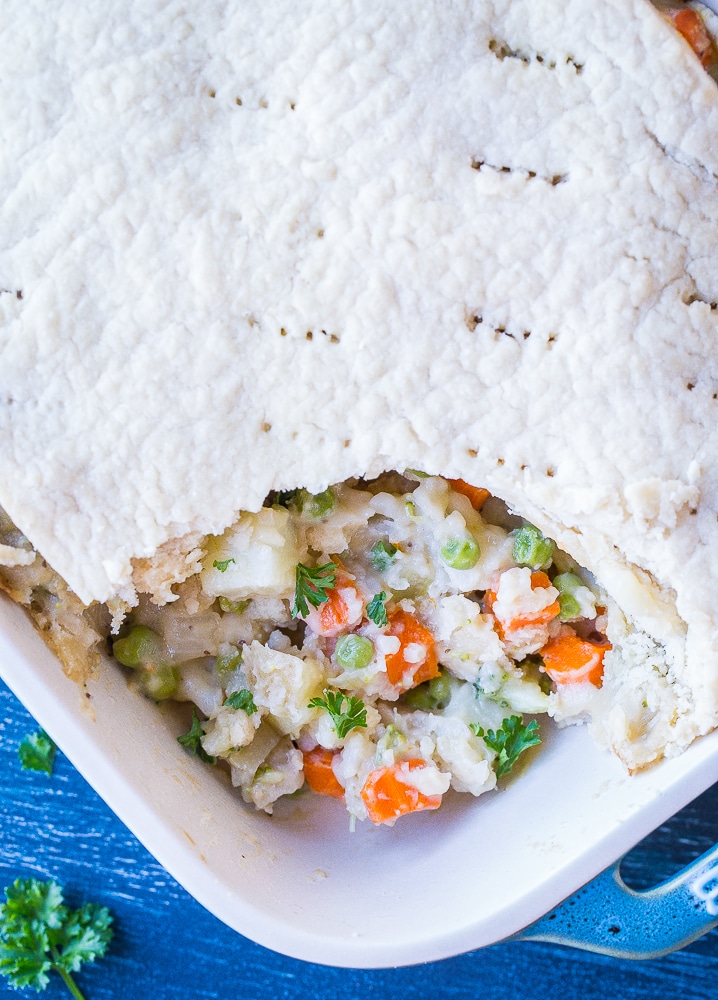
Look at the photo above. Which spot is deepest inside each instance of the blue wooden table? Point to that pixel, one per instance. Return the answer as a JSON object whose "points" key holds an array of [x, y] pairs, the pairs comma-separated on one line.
{"points": [[166, 946]]}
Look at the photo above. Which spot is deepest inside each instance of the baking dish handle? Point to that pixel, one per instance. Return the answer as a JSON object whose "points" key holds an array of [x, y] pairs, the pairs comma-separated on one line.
{"points": [[608, 917]]}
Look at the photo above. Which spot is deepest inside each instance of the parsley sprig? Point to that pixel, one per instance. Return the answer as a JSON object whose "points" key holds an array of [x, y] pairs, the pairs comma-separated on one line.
{"points": [[376, 609], [312, 584], [509, 742], [241, 700], [37, 752], [39, 934], [223, 564], [344, 719], [192, 739]]}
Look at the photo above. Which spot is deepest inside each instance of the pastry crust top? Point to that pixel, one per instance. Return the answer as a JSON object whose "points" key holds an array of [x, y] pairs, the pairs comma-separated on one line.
{"points": [[285, 244]]}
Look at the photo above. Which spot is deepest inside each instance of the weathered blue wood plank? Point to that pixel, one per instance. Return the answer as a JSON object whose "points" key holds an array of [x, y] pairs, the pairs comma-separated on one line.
{"points": [[167, 946]]}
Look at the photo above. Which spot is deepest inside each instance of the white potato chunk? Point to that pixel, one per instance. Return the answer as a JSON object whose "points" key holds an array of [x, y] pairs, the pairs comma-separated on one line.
{"points": [[256, 557]]}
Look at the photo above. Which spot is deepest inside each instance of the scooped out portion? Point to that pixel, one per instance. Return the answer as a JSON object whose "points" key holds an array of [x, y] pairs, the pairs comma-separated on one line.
{"points": [[380, 642]]}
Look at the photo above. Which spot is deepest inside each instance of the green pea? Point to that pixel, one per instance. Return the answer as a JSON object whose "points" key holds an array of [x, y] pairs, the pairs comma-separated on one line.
{"points": [[160, 681], [569, 608], [140, 647], [431, 695], [354, 652], [144, 651], [382, 555], [316, 504], [461, 553], [531, 548], [567, 584]]}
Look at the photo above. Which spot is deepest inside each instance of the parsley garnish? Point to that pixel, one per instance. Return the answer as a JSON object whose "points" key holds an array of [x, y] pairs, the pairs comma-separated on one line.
{"points": [[192, 739], [38, 933], [241, 699], [344, 719], [312, 586], [222, 564], [37, 752], [376, 609], [381, 555], [509, 742]]}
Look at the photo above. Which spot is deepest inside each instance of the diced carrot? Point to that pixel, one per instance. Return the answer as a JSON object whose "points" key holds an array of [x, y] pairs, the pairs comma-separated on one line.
{"points": [[387, 797], [476, 494], [335, 614], [569, 659], [487, 603], [691, 26], [319, 773], [539, 579], [409, 631]]}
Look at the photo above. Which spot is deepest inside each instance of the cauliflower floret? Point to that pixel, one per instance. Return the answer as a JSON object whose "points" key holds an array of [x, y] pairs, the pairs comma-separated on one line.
{"points": [[283, 684], [449, 521], [466, 638], [518, 607], [228, 730], [457, 750], [352, 768], [516, 598]]}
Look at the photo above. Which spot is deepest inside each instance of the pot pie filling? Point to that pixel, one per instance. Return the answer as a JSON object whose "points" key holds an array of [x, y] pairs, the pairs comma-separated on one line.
{"points": [[380, 642]]}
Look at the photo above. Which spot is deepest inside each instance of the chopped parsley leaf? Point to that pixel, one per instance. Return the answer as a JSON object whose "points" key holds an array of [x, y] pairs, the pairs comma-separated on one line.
{"points": [[353, 716], [222, 564], [376, 609], [191, 740], [509, 742], [37, 752], [311, 587], [382, 554], [241, 699]]}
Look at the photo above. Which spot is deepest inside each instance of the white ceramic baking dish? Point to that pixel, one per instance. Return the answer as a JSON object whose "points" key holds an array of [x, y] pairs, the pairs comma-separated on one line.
{"points": [[435, 885]]}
